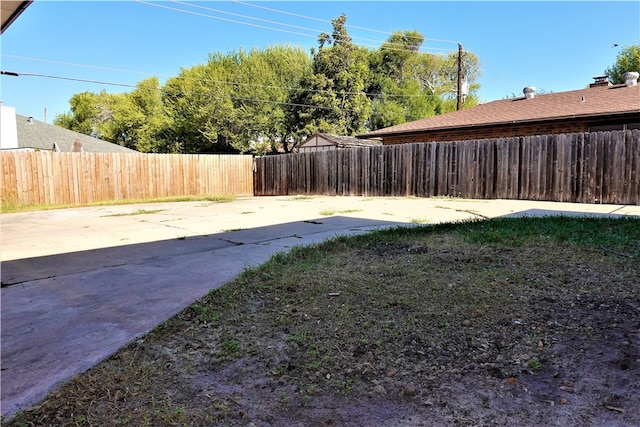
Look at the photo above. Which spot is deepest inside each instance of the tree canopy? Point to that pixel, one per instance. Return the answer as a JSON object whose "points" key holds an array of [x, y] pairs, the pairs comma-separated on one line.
{"points": [[627, 60], [271, 100]]}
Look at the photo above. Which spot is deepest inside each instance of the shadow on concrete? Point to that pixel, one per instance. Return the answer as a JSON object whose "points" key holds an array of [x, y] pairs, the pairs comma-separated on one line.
{"points": [[29, 269]]}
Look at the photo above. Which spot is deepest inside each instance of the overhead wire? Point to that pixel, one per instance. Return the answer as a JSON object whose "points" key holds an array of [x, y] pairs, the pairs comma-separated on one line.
{"points": [[329, 22], [388, 44], [346, 25], [105, 83], [175, 9], [241, 16], [219, 18], [49, 76], [71, 64], [207, 94], [15, 74], [258, 6], [202, 80], [155, 74]]}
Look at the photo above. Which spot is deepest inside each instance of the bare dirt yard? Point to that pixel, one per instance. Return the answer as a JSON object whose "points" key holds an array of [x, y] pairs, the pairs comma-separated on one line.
{"points": [[506, 322]]}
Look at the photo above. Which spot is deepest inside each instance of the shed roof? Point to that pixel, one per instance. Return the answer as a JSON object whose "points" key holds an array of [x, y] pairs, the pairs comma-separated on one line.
{"points": [[33, 133], [598, 101], [346, 141]]}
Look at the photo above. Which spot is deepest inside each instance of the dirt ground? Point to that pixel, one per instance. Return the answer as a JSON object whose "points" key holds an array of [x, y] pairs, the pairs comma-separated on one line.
{"points": [[564, 359], [431, 329]]}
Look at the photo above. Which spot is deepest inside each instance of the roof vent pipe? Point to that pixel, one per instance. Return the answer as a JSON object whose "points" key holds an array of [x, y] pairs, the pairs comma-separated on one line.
{"points": [[631, 78], [529, 92]]}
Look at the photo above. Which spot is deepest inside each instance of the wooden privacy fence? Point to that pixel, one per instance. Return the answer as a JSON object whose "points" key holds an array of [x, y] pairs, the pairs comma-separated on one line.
{"points": [[599, 167], [80, 178]]}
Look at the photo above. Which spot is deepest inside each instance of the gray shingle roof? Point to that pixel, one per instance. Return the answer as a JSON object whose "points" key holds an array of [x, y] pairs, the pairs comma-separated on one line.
{"points": [[35, 134]]}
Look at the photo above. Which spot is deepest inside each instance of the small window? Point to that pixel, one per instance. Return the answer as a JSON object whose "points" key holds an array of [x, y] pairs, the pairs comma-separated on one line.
{"points": [[606, 128], [612, 127]]}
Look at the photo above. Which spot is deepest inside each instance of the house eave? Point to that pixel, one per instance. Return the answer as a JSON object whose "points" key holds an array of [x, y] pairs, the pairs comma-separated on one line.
{"points": [[567, 118], [10, 12]]}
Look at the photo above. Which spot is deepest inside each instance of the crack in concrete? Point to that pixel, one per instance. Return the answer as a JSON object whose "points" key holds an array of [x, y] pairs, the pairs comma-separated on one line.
{"points": [[22, 282]]}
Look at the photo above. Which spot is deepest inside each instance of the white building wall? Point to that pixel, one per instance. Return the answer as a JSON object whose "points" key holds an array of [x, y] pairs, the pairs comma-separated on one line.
{"points": [[8, 129]]}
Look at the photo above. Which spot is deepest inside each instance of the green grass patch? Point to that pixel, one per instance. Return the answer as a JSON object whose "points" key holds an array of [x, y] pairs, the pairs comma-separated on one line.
{"points": [[620, 233]]}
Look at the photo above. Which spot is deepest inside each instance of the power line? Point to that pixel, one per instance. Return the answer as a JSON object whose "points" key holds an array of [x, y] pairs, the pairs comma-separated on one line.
{"points": [[14, 74], [261, 26], [11, 73], [242, 16], [215, 81], [329, 22], [224, 82], [288, 88], [237, 98], [97, 67], [294, 26], [220, 19]]}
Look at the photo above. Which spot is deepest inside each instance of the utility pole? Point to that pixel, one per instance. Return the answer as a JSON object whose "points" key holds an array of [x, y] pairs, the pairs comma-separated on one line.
{"points": [[459, 103]]}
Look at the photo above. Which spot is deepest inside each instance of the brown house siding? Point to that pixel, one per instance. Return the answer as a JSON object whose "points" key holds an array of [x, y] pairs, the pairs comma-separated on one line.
{"points": [[505, 131]]}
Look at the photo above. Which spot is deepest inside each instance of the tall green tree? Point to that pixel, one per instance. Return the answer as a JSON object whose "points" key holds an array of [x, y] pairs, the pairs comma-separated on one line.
{"points": [[267, 100], [236, 102], [134, 118], [151, 121], [128, 119], [396, 92], [200, 109], [333, 99], [408, 85], [83, 116], [264, 85], [627, 60], [395, 53]]}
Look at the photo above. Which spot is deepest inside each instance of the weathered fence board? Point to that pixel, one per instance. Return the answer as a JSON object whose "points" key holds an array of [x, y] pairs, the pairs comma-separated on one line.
{"points": [[599, 167], [82, 178]]}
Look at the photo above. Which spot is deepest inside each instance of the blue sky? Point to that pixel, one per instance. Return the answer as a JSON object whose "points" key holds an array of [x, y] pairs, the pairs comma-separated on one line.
{"points": [[555, 46]]}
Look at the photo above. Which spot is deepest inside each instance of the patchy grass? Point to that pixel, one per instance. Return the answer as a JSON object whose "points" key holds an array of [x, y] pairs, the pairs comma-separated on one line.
{"points": [[330, 212], [137, 212], [13, 206], [420, 220], [327, 212], [501, 322]]}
